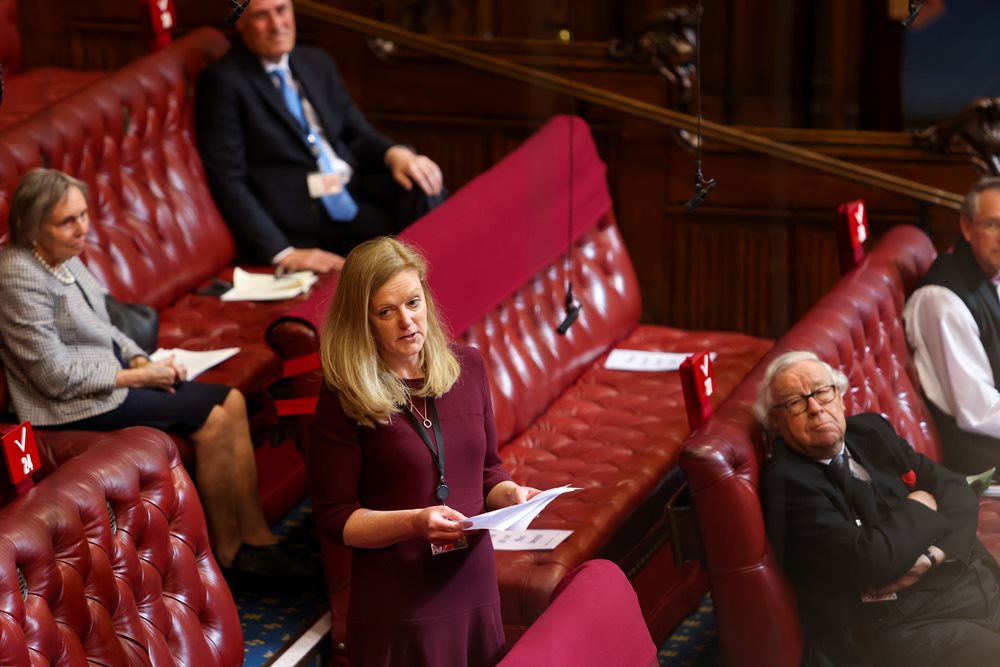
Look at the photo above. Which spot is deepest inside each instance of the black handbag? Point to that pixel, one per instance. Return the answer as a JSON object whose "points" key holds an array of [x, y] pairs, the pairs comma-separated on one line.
{"points": [[138, 321]]}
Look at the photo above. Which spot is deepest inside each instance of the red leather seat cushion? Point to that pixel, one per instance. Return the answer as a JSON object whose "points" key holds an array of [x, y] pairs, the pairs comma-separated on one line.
{"points": [[115, 556]]}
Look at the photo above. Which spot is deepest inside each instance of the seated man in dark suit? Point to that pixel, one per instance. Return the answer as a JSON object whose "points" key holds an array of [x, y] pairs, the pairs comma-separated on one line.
{"points": [[298, 173], [878, 541]]}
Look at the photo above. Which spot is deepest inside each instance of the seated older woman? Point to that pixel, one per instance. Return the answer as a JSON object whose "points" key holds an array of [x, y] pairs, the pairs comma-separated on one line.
{"points": [[69, 367]]}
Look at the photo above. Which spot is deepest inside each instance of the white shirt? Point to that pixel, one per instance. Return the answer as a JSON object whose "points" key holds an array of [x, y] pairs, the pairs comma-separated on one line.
{"points": [[951, 362], [857, 470]]}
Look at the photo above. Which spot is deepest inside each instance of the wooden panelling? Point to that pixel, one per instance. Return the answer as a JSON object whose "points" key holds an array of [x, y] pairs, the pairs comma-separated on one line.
{"points": [[755, 255]]}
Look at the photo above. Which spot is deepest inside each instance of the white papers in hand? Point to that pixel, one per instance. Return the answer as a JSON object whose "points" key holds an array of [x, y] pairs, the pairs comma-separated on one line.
{"points": [[267, 287], [516, 517], [992, 491], [195, 362], [644, 360], [528, 540]]}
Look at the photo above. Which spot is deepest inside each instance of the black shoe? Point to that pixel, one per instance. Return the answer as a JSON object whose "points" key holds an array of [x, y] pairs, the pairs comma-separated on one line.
{"points": [[269, 567]]}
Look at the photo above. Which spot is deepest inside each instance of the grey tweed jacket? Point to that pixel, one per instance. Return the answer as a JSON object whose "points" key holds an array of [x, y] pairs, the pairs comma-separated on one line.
{"points": [[57, 349]]}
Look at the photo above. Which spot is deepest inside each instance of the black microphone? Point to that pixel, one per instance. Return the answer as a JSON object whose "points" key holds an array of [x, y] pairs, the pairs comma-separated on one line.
{"points": [[237, 12], [573, 308], [701, 190], [915, 8]]}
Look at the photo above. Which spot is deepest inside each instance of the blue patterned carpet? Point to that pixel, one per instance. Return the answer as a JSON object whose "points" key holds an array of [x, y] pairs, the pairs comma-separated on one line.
{"points": [[270, 622], [693, 642]]}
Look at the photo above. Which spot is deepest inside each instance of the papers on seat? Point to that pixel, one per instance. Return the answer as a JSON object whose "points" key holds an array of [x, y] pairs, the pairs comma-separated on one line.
{"points": [[268, 287], [992, 491], [195, 362], [644, 360], [516, 517], [528, 540]]}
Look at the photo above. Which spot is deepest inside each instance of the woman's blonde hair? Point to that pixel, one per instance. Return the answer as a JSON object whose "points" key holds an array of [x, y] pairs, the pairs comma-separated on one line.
{"points": [[369, 392]]}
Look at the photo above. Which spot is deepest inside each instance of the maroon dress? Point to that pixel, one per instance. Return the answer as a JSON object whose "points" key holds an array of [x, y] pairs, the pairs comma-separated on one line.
{"points": [[407, 607]]}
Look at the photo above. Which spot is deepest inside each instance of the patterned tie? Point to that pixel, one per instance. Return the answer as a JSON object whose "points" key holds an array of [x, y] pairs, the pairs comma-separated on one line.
{"points": [[341, 206], [840, 469]]}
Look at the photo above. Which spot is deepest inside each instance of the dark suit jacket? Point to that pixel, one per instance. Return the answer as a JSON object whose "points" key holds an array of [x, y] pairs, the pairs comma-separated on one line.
{"points": [[255, 155], [830, 559]]}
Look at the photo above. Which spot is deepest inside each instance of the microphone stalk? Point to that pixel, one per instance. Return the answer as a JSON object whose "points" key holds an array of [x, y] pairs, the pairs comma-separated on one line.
{"points": [[237, 12], [701, 190], [572, 311], [915, 8]]}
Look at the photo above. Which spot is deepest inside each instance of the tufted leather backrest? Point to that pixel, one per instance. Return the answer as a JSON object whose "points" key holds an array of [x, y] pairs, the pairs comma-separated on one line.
{"points": [[155, 232], [116, 565], [10, 38], [858, 328], [529, 363]]}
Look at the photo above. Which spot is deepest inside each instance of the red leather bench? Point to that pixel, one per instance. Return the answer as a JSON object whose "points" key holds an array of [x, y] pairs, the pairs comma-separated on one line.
{"points": [[858, 328], [28, 91], [156, 235], [592, 619], [496, 251], [107, 562]]}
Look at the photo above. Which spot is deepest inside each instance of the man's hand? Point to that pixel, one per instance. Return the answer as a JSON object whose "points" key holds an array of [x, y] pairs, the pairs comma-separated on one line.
{"points": [[920, 567], [407, 167], [924, 498], [309, 259]]}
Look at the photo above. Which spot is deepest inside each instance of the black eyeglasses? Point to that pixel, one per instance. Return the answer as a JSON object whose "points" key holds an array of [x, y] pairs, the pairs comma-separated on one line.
{"points": [[799, 404]]}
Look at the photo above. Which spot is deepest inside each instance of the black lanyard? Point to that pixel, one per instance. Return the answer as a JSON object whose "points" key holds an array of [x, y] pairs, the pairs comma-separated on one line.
{"points": [[437, 452]]}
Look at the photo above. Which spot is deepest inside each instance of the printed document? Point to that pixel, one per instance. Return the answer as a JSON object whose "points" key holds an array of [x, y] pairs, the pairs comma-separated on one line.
{"points": [[516, 517], [268, 287], [194, 361], [645, 360]]}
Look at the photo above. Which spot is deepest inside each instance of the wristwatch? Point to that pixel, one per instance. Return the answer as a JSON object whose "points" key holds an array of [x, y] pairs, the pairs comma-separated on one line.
{"points": [[930, 556]]}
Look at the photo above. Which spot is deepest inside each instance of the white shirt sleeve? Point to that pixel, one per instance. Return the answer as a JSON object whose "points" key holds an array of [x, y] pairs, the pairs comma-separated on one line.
{"points": [[951, 361]]}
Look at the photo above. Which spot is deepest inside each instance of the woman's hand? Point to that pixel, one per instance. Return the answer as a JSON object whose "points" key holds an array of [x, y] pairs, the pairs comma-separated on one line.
{"points": [[506, 494], [163, 375], [438, 524]]}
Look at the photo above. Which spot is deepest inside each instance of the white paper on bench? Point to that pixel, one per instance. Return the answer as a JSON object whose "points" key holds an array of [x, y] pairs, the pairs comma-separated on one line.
{"points": [[196, 362], [517, 517], [266, 287], [528, 540], [643, 360]]}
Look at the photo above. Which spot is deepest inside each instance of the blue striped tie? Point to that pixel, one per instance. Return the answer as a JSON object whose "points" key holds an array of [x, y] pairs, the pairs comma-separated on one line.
{"points": [[341, 206]]}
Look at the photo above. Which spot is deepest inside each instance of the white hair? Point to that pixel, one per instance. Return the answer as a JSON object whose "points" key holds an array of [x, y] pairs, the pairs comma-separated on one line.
{"points": [[765, 400]]}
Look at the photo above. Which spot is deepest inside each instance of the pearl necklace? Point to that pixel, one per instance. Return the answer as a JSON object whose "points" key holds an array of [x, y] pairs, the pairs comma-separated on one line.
{"points": [[61, 272]]}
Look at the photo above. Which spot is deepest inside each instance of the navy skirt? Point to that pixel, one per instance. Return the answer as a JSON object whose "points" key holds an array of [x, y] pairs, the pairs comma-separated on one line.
{"points": [[182, 412]]}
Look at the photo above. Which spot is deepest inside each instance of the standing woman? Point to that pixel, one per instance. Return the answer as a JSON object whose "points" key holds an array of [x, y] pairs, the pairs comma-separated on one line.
{"points": [[68, 367], [403, 449]]}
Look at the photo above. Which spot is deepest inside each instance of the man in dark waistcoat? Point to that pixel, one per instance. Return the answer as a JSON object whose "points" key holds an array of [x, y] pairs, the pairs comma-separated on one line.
{"points": [[953, 325], [878, 541]]}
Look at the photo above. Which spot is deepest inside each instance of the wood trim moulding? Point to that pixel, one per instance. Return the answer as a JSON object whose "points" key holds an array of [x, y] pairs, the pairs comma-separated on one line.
{"points": [[630, 106]]}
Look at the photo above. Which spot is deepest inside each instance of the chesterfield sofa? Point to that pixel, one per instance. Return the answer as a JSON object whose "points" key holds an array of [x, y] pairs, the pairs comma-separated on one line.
{"points": [[107, 562], [27, 91], [858, 328], [156, 236], [496, 252]]}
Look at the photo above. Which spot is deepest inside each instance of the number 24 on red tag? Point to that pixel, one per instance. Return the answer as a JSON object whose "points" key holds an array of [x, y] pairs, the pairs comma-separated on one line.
{"points": [[20, 452]]}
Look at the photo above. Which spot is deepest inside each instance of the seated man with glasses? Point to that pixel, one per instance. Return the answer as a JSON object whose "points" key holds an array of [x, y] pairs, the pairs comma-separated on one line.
{"points": [[879, 542], [953, 325]]}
